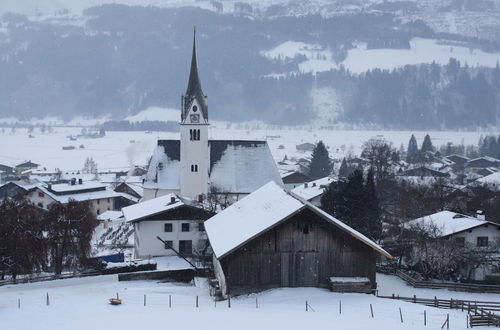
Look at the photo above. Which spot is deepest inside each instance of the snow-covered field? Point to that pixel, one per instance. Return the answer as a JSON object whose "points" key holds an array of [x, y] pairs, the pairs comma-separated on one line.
{"points": [[119, 150], [82, 304]]}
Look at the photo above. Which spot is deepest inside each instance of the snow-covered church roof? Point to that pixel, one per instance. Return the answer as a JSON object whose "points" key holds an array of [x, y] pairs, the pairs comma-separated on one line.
{"points": [[260, 211], [236, 166]]}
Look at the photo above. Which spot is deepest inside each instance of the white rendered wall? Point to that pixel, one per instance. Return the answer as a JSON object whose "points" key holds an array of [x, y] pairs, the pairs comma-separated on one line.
{"points": [[147, 245]]}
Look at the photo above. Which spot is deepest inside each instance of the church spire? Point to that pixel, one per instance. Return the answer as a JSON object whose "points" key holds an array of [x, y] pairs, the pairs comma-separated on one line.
{"points": [[194, 91]]}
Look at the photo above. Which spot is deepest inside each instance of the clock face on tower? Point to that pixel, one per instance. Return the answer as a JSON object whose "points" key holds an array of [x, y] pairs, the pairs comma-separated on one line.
{"points": [[195, 119]]}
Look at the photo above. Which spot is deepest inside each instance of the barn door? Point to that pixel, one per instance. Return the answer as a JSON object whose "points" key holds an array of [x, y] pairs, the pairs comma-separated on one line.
{"points": [[285, 268], [306, 269]]}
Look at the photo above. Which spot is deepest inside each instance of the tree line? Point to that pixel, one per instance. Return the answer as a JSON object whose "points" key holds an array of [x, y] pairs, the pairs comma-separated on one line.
{"points": [[34, 240]]}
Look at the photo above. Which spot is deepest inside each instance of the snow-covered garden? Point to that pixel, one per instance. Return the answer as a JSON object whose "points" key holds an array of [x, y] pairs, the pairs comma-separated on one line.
{"points": [[82, 304]]}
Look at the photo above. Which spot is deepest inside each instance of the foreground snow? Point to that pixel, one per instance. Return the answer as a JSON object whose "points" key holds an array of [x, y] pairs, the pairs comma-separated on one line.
{"points": [[81, 304]]}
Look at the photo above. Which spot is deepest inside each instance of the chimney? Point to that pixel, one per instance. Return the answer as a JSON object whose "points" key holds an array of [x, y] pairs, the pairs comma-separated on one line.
{"points": [[305, 185], [80, 181], [200, 198], [314, 184], [172, 200], [49, 186], [73, 181], [480, 215]]}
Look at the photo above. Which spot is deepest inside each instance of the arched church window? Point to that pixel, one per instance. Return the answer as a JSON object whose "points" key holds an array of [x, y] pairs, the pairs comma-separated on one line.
{"points": [[198, 134], [196, 168], [192, 168], [195, 135], [191, 137]]}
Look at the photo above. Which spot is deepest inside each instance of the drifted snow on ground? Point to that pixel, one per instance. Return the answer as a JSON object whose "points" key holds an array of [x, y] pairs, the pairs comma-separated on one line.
{"points": [[82, 304]]}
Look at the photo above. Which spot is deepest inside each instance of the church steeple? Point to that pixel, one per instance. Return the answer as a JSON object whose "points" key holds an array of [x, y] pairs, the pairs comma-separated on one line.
{"points": [[194, 91]]}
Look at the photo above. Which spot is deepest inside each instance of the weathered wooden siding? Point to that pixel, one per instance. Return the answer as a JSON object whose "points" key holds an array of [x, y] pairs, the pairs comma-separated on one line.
{"points": [[304, 250]]}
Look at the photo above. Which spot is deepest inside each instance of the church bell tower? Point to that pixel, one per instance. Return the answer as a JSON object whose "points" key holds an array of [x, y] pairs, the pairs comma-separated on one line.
{"points": [[194, 135]]}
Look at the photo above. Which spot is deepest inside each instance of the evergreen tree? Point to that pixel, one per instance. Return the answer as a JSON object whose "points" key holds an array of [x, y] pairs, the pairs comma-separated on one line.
{"points": [[412, 153], [321, 164], [344, 169], [427, 144], [372, 217]]}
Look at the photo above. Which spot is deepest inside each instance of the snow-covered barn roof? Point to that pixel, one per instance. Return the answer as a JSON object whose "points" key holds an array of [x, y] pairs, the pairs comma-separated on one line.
{"points": [[79, 196], [447, 222], [236, 166], [260, 211]]}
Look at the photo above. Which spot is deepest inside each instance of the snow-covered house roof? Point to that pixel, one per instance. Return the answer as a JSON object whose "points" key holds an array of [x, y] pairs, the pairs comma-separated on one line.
{"points": [[65, 196], [492, 180], [447, 222], [236, 166], [157, 205], [313, 189], [64, 188], [260, 211], [110, 215]]}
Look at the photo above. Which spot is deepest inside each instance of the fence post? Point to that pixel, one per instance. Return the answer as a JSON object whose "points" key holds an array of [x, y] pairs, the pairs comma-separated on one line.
{"points": [[451, 303], [229, 301], [144, 300], [414, 298], [393, 296], [425, 318], [169, 301], [117, 297], [400, 315], [48, 300], [19, 303], [340, 306], [196, 301], [435, 301], [256, 302], [307, 309], [371, 310]]}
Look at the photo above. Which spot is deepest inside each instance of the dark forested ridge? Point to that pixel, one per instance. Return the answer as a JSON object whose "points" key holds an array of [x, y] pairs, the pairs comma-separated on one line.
{"points": [[126, 59]]}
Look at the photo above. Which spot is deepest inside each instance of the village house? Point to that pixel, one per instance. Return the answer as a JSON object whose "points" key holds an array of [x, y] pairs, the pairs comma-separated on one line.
{"points": [[465, 231], [28, 165], [100, 198], [196, 166], [292, 179], [273, 238], [176, 220], [312, 191]]}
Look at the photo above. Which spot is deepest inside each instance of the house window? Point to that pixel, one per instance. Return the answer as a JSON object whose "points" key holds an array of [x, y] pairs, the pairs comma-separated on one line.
{"points": [[185, 227], [194, 134], [460, 241], [40, 205], [41, 194], [169, 245], [482, 241], [168, 227], [186, 247], [109, 201], [98, 201], [201, 226], [194, 168], [98, 211]]}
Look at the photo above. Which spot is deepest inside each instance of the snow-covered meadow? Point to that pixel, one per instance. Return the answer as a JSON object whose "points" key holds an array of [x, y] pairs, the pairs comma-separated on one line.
{"points": [[82, 304], [120, 150]]}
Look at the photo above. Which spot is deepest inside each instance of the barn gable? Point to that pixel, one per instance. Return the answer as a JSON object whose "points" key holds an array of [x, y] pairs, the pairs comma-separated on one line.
{"points": [[273, 238]]}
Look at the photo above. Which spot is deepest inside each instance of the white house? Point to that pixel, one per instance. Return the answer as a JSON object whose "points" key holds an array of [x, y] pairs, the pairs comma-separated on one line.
{"points": [[176, 220], [474, 232], [312, 191], [196, 165], [101, 198]]}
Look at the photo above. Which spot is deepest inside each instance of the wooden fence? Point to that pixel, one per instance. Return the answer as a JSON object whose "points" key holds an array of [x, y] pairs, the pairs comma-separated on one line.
{"points": [[481, 313], [468, 287]]}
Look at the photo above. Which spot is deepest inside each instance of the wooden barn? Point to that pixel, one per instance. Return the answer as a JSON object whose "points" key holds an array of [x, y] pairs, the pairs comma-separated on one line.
{"points": [[273, 238]]}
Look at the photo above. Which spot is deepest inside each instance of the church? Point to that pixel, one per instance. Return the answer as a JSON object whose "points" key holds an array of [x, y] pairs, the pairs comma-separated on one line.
{"points": [[196, 165]]}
